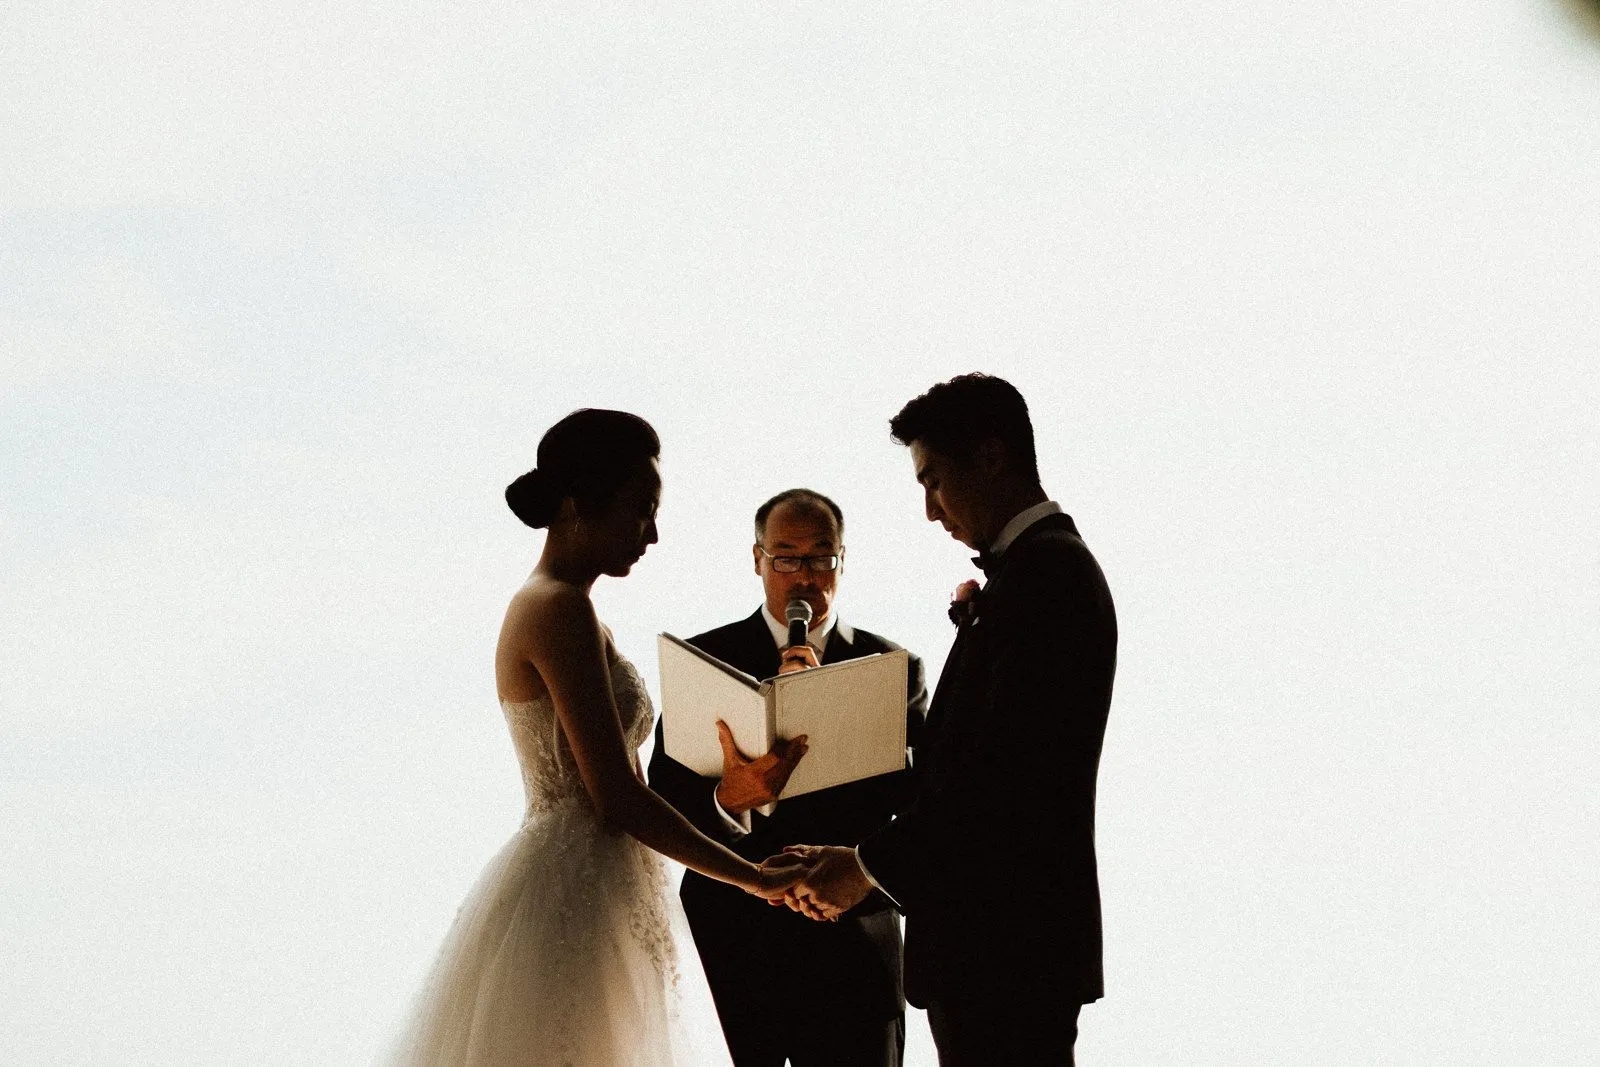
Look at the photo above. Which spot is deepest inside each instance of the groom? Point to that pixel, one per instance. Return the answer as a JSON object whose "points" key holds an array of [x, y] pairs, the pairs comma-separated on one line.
{"points": [[994, 863]]}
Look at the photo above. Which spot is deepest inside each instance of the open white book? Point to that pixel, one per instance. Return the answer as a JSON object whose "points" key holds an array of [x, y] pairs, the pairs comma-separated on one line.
{"points": [[853, 714]]}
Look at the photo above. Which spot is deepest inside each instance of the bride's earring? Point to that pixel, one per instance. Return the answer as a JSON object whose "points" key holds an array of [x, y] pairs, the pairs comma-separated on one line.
{"points": [[568, 512]]}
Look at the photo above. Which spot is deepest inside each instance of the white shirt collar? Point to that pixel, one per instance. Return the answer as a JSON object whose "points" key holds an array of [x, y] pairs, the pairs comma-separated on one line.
{"points": [[1013, 529], [817, 639]]}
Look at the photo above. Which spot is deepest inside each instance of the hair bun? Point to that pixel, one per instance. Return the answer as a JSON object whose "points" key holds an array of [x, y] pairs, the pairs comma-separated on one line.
{"points": [[534, 498]]}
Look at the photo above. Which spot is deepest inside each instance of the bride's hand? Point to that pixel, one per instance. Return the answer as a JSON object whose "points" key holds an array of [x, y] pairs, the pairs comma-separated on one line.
{"points": [[774, 876]]}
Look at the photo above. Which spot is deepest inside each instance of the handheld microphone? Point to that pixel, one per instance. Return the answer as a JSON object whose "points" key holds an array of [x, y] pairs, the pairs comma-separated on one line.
{"points": [[798, 615]]}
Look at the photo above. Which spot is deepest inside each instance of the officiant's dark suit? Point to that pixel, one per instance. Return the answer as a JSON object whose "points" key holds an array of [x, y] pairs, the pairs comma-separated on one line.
{"points": [[824, 994]]}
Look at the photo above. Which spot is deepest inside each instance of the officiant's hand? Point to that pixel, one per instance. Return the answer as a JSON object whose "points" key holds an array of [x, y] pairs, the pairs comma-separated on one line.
{"points": [[833, 885], [797, 658], [748, 783]]}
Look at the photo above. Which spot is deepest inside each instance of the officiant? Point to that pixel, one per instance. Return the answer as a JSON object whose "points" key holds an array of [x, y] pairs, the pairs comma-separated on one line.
{"points": [[786, 988]]}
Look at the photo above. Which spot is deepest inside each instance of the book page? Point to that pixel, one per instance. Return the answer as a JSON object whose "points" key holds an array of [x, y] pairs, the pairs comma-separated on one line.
{"points": [[853, 714], [697, 689]]}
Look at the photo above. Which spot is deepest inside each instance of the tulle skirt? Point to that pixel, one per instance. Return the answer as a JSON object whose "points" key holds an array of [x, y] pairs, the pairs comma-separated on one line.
{"points": [[571, 951]]}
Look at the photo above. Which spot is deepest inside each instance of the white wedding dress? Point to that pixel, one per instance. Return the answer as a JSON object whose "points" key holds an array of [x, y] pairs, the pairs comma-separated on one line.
{"points": [[571, 950]]}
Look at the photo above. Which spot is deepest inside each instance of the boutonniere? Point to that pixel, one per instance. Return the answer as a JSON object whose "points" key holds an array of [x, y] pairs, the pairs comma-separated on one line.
{"points": [[964, 604]]}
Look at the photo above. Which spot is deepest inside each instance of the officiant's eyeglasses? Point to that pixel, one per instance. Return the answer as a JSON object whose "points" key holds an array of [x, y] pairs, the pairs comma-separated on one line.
{"points": [[790, 564]]}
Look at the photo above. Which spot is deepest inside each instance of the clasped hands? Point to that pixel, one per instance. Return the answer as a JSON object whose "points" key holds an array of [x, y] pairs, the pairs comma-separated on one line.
{"points": [[833, 881]]}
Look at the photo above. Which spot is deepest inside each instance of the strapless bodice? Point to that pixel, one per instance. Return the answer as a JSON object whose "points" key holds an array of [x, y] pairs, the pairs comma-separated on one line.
{"points": [[572, 947], [549, 772]]}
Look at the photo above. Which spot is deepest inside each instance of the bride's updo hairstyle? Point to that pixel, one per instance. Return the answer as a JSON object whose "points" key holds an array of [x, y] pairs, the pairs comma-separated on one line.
{"points": [[588, 456]]}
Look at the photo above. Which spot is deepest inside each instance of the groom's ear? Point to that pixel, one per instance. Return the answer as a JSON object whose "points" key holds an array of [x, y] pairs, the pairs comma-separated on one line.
{"points": [[992, 457]]}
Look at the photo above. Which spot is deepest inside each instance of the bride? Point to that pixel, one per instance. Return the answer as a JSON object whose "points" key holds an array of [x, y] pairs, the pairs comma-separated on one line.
{"points": [[570, 950]]}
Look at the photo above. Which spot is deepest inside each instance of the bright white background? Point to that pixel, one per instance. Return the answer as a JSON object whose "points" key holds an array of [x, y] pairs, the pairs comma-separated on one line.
{"points": [[1304, 301]]}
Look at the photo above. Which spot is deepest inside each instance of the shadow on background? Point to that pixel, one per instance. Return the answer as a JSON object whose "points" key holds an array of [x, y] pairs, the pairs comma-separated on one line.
{"points": [[1586, 13]]}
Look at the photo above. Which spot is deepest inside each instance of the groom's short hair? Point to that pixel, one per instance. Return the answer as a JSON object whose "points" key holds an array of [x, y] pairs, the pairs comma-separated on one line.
{"points": [[957, 416]]}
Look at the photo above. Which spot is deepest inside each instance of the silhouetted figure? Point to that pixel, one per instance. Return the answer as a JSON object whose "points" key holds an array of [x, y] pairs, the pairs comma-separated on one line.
{"points": [[816, 994], [994, 863], [570, 949]]}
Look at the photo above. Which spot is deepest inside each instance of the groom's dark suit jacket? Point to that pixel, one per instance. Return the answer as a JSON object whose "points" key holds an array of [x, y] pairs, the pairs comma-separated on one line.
{"points": [[769, 965], [994, 863]]}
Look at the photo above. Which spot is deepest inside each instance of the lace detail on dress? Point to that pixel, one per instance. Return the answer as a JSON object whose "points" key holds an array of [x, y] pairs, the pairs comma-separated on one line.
{"points": [[550, 775], [550, 780], [571, 949]]}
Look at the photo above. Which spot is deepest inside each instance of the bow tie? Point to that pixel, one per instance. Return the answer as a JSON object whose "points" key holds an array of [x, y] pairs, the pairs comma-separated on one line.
{"points": [[985, 562]]}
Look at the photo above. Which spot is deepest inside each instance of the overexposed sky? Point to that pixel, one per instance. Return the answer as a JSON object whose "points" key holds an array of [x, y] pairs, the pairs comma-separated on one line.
{"points": [[1303, 301]]}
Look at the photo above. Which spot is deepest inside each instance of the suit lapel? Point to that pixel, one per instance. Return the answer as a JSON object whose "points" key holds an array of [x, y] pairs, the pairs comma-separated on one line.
{"points": [[841, 643], [950, 675], [947, 679], [756, 647]]}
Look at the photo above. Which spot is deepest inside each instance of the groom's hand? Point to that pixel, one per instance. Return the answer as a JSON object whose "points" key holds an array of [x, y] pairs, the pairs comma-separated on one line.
{"points": [[748, 783], [775, 876], [834, 884]]}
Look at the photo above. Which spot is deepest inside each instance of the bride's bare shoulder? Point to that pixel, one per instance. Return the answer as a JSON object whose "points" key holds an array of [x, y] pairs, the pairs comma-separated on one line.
{"points": [[544, 603]]}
